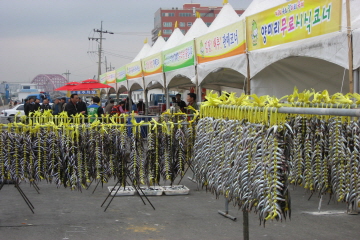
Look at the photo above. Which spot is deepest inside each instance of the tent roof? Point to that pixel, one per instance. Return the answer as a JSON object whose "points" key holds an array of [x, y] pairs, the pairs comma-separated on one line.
{"points": [[174, 39], [197, 29], [226, 16], [158, 45], [145, 49]]}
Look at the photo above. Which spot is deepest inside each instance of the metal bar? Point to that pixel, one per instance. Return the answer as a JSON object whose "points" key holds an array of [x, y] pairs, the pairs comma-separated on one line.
{"points": [[246, 225], [111, 192], [25, 198], [96, 186], [308, 111], [320, 111], [226, 213]]}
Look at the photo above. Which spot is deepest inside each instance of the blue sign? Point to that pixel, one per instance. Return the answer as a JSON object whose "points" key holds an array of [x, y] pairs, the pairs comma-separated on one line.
{"points": [[84, 92]]}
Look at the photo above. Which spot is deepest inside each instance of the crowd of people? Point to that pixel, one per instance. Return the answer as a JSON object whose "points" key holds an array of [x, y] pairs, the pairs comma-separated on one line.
{"points": [[77, 105]]}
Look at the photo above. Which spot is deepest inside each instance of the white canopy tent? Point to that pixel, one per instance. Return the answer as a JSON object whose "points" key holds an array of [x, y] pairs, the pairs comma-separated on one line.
{"points": [[319, 62], [185, 77], [137, 83], [225, 72], [173, 41], [356, 41]]}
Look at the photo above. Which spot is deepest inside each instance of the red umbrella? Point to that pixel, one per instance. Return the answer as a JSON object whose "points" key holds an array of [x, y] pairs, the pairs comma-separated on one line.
{"points": [[90, 81], [67, 87], [90, 84]]}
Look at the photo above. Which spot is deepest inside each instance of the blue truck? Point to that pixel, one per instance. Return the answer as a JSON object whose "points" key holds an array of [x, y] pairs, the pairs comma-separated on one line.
{"points": [[157, 103], [41, 96]]}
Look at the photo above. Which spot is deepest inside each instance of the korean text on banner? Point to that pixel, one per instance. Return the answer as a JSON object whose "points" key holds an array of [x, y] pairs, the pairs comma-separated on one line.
{"points": [[110, 77], [179, 57], [120, 74], [103, 78], [293, 21], [152, 64], [133, 70], [225, 42]]}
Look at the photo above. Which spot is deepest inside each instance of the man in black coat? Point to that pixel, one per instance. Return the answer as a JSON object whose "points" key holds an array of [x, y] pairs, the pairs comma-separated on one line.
{"points": [[45, 105], [71, 107], [36, 105], [29, 107], [81, 105]]}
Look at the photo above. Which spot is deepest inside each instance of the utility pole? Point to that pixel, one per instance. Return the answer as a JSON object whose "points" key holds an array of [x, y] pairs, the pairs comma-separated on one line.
{"points": [[67, 74], [99, 40]]}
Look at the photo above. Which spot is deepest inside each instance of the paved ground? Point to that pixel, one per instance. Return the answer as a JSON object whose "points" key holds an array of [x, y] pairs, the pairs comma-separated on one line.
{"points": [[65, 214]]}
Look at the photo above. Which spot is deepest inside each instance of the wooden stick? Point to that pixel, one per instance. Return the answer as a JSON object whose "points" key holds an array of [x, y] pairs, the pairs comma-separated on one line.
{"points": [[350, 45]]}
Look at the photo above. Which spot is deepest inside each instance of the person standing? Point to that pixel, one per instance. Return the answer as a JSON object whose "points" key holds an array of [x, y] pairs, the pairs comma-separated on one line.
{"points": [[71, 107], [94, 109], [82, 106], [56, 106], [141, 107], [36, 105], [45, 105], [181, 104], [191, 99], [109, 106], [27, 106], [63, 104]]}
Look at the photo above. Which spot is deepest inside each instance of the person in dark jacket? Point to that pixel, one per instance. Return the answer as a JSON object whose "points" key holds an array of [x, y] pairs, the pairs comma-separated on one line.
{"points": [[56, 107], [71, 107], [62, 103], [141, 107], [180, 102], [36, 105], [82, 106], [45, 105], [27, 106]]}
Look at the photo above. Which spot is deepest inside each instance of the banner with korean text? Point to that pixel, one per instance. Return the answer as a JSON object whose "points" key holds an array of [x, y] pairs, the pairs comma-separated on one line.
{"points": [[133, 70], [179, 57], [120, 74], [152, 64], [103, 78], [225, 42], [292, 21], [110, 77]]}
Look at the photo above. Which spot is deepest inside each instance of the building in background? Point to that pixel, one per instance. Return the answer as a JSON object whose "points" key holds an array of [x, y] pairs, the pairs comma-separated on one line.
{"points": [[165, 19]]}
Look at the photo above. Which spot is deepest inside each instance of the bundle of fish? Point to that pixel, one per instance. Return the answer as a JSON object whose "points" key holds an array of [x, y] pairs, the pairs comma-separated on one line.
{"points": [[74, 155], [245, 162], [325, 157]]}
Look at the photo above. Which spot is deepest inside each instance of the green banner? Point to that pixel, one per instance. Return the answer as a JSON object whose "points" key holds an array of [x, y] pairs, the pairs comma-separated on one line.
{"points": [[120, 74], [179, 57]]}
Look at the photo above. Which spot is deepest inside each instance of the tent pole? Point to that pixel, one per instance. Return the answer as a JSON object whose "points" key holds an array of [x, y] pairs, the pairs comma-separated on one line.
{"points": [[356, 81], [166, 93], [248, 89], [197, 85], [350, 45], [145, 91]]}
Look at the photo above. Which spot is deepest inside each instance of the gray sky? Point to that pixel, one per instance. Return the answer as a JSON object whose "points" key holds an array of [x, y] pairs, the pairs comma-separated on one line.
{"points": [[51, 36]]}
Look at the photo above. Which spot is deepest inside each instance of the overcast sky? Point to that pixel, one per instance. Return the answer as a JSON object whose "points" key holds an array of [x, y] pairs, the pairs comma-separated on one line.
{"points": [[51, 36]]}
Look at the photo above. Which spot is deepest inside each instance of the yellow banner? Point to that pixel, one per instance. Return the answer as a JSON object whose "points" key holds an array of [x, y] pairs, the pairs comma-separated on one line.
{"points": [[292, 21], [225, 42], [133, 70], [110, 77]]}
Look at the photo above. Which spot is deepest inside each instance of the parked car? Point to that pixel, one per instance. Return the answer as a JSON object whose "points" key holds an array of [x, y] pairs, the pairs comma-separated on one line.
{"points": [[13, 111]]}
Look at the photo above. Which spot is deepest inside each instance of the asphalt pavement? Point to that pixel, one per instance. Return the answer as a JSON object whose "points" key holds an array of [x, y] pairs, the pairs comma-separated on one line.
{"points": [[64, 214]]}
